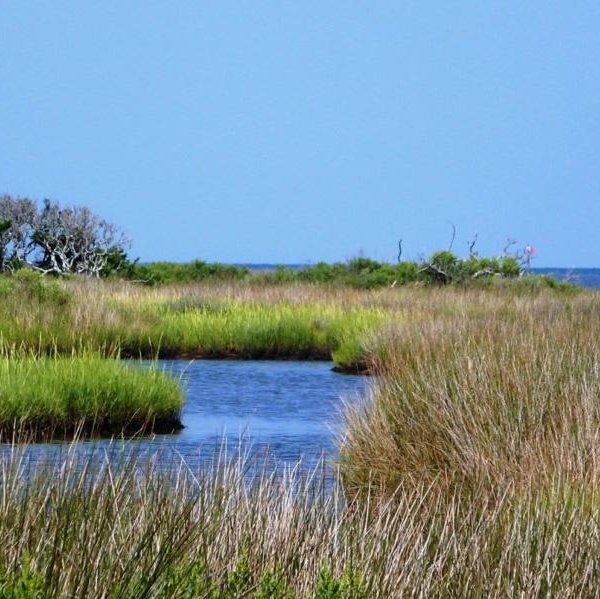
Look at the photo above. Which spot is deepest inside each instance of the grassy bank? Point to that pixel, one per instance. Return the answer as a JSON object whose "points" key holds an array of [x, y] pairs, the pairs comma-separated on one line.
{"points": [[49, 397], [223, 320], [201, 321]]}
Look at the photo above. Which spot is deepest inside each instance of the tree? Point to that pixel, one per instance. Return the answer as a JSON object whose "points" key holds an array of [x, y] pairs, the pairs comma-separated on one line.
{"points": [[74, 240], [17, 218], [58, 240]]}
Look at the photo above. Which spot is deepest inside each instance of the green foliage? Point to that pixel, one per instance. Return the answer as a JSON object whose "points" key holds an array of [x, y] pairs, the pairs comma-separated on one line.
{"points": [[238, 582], [552, 283], [281, 274], [273, 586], [444, 267], [178, 272], [118, 263], [361, 273], [195, 580], [363, 265], [350, 355], [349, 586], [5, 225], [27, 584], [444, 260], [31, 285], [189, 582], [509, 266]]}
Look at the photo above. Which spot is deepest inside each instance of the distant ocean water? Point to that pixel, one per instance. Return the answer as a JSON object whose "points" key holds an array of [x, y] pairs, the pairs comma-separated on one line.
{"points": [[585, 277]]}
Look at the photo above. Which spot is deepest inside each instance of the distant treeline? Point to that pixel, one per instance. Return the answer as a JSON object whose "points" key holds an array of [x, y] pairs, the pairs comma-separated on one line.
{"points": [[59, 240], [441, 268]]}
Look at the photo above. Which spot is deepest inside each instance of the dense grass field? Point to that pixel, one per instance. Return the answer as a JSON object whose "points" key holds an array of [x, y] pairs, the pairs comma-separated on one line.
{"points": [[506, 392], [131, 528], [472, 468], [201, 320], [218, 320]]}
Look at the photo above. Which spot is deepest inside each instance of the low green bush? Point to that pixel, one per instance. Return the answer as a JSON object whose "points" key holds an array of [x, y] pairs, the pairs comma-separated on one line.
{"points": [[442, 267], [181, 272]]}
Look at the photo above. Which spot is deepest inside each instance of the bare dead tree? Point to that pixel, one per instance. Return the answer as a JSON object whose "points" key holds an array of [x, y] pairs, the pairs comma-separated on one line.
{"points": [[400, 251], [472, 246], [509, 243], [437, 274], [74, 240], [55, 239]]}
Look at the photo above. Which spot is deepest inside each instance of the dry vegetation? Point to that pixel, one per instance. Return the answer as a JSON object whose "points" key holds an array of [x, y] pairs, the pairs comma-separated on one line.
{"points": [[487, 391], [136, 528]]}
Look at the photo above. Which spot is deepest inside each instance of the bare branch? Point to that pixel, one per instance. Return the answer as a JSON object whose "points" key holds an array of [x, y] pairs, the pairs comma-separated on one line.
{"points": [[509, 243], [55, 239], [472, 245], [453, 235]]}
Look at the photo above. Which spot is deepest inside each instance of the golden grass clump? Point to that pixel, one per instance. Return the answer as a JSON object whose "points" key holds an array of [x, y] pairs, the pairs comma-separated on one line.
{"points": [[479, 399]]}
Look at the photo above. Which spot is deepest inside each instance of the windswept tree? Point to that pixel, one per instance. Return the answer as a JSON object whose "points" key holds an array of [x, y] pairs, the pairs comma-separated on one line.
{"points": [[58, 240], [74, 240]]}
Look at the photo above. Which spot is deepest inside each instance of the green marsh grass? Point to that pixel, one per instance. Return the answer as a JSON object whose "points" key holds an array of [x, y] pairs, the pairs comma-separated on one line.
{"points": [[231, 319], [58, 396], [203, 321]]}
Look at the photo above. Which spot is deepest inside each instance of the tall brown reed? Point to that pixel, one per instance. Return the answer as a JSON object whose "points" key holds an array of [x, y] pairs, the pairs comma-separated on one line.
{"points": [[132, 528], [481, 399]]}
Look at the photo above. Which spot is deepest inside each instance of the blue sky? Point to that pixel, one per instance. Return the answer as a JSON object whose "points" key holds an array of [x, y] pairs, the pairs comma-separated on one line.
{"points": [[256, 131]]}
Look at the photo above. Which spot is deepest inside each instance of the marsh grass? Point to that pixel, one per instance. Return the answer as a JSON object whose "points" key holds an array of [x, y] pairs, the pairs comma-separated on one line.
{"points": [[49, 397], [131, 527], [472, 469], [506, 396], [202, 321], [223, 320]]}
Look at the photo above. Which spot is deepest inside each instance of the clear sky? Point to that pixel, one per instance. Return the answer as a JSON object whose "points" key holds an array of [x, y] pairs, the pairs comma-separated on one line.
{"points": [[280, 131]]}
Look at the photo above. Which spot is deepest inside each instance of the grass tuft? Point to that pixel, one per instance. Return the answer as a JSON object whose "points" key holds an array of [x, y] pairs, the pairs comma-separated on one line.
{"points": [[56, 397]]}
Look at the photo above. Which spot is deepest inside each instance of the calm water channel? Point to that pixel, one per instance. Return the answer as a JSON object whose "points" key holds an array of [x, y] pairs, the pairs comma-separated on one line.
{"points": [[289, 408]]}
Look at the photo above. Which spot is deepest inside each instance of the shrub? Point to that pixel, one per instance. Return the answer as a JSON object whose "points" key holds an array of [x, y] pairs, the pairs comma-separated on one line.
{"points": [[191, 272]]}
